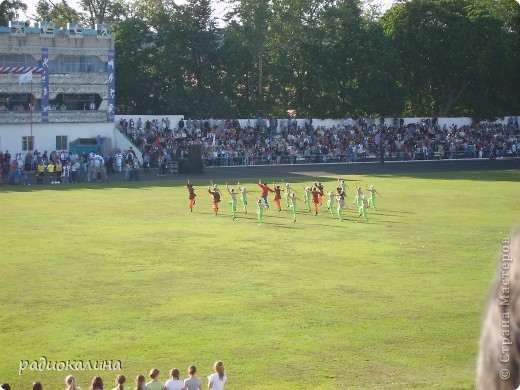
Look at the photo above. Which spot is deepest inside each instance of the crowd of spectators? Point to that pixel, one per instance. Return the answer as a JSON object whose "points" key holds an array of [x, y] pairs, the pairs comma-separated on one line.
{"points": [[267, 141], [216, 381], [68, 167], [261, 141]]}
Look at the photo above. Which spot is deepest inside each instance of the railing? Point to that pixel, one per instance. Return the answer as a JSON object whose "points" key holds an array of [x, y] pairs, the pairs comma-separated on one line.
{"points": [[350, 158], [70, 116]]}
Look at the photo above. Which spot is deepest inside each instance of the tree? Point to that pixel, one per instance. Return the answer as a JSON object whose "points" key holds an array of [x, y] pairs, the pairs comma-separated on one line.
{"points": [[60, 13], [192, 44], [97, 10], [10, 10], [454, 55], [134, 47], [328, 60], [251, 19]]}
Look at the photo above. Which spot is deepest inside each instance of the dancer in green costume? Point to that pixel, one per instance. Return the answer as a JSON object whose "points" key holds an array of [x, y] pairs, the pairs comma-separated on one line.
{"points": [[233, 201], [330, 202], [372, 199], [359, 195], [340, 200], [287, 193], [342, 184], [293, 206], [260, 210], [243, 196], [363, 207], [307, 194]]}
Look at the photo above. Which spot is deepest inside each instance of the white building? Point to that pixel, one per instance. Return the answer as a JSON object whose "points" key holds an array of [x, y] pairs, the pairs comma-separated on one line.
{"points": [[56, 85]]}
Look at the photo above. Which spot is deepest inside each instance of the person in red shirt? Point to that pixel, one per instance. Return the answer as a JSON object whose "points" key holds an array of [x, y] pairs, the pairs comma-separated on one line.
{"points": [[216, 197], [265, 191]]}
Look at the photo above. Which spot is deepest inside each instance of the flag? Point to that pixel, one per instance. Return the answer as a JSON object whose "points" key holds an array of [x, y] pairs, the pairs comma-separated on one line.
{"points": [[25, 78]]}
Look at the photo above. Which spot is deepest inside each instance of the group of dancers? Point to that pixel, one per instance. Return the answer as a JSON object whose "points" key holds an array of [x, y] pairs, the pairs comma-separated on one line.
{"points": [[314, 194]]}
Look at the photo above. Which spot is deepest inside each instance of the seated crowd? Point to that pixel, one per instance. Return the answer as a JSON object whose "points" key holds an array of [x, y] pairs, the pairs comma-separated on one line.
{"points": [[259, 141], [227, 142], [216, 381]]}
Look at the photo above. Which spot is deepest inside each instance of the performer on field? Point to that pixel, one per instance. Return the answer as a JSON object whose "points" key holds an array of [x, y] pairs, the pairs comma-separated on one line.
{"points": [[319, 186], [260, 208], [342, 184], [307, 194], [372, 199], [287, 193], [265, 191], [243, 196], [363, 207], [340, 200], [315, 192], [233, 201], [293, 200], [330, 202], [216, 197], [192, 194], [359, 195], [278, 196]]}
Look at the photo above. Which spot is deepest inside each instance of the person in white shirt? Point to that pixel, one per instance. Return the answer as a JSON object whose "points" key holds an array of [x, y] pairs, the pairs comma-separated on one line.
{"points": [[174, 383], [218, 379], [119, 159]]}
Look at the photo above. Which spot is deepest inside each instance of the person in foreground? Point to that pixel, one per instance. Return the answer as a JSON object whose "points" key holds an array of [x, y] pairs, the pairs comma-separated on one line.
{"points": [[498, 366], [193, 382], [97, 383], [218, 379], [140, 383], [155, 383], [174, 383], [120, 380]]}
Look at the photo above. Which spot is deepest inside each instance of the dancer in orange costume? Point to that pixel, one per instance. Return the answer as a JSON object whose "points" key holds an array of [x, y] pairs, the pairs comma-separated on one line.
{"points": [[316, 198], [278, 196], [192, 194], [216, 197]]}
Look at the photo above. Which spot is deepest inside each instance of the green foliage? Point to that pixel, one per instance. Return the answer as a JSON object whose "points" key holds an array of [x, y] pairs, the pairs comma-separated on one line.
{"points": [[322, 58], [10, 10], [127, 272], [134, 44], [456, 56], [61, 14]]}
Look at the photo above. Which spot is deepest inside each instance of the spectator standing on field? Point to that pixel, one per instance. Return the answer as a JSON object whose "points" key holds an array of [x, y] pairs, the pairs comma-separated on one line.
{"points": [[155, 383], [218, 379], [174, 383], [193, 382]]}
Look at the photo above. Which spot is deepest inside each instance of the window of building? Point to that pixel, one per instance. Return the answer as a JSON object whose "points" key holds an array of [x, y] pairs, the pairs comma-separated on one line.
{"points": [[18, 60], [61, 142], [27, 143], [75, 64]]}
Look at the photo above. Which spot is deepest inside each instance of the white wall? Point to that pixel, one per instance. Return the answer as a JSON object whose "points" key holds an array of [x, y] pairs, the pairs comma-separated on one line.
{"points": [[45, 134]]}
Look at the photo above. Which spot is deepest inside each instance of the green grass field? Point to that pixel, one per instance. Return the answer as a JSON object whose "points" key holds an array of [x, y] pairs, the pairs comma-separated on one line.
{"points": [[125, 272]]}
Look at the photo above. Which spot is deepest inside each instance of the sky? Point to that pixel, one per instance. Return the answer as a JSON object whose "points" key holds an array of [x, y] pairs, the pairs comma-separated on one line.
{"points": [[220, 6]]}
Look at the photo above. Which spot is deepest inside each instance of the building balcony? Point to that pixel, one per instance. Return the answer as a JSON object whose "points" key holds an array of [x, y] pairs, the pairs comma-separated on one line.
{"points": [[69, 116]]}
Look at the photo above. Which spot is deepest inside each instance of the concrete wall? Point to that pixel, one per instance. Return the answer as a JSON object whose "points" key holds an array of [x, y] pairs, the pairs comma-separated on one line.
{"points": [[45, 134]]}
